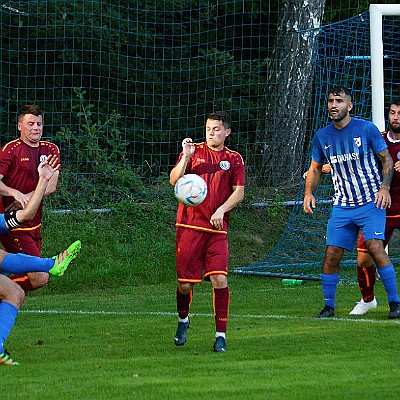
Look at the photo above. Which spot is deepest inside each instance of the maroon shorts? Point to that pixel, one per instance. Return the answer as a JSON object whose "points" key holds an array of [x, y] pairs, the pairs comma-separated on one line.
{"points": [[24, 241], [392, 223], [199, 253]]}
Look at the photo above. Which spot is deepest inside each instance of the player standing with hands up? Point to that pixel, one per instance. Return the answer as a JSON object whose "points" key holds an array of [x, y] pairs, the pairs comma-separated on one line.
{"points": [[19, 160], [201, 231]]}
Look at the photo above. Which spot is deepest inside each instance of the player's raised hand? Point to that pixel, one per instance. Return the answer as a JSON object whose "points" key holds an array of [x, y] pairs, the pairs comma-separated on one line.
{"points": [[188, 147], [47, 168]]}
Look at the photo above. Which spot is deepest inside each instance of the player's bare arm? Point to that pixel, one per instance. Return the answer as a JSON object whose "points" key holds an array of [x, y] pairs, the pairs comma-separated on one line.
{"points": [[20, 198], [237, 196], [326, 169], [52, 184], [46, 170], [383, 199], [313, 176], [180, 168]]}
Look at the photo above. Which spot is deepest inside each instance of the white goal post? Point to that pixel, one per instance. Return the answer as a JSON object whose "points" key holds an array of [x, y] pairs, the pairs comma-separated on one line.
{"points": [[376, 12]]}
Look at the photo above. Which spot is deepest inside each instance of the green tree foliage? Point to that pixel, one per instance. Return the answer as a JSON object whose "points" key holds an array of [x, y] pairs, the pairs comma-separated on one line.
{"points": [[149, 72]]}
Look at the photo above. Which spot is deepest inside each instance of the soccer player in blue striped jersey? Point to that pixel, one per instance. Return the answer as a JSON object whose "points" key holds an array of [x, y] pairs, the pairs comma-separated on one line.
{"points": [[353, 148]]}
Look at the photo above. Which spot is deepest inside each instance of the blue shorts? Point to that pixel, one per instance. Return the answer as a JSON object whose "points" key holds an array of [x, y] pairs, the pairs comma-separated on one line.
{"points": [[345, 223], [3, 228]]}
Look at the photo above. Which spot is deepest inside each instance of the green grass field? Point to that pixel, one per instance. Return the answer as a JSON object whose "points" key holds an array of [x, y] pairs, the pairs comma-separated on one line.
{"points": [[119, 344], [105, 330]]}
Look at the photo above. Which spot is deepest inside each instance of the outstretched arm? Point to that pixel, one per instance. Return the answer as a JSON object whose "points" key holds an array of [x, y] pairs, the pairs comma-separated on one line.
{"points": [[46, 170]]}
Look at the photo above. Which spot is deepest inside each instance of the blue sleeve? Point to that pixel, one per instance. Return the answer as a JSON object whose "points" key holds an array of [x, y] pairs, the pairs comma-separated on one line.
{"points": [[377, 141], [3, 228], [317, 153]]}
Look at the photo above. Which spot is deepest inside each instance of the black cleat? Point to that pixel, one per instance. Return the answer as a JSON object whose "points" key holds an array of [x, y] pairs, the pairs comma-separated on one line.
{"points": [[180, 335], [394, 310], [220, 344], [326, 312]]}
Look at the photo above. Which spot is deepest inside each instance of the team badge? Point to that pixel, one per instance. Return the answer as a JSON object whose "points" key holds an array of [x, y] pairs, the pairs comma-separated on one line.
{"points": [[398, 155], [42, 158], [225, 165], [357, 141]]}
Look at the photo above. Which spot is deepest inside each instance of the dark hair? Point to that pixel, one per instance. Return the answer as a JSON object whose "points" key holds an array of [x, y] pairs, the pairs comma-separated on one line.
{"points": [[396, 102], [220, 116], [337, 90], [29, 109]]}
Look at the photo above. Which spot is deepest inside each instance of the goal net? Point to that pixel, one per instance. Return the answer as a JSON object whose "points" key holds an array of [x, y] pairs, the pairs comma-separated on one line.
{"points": [[344, 57]]}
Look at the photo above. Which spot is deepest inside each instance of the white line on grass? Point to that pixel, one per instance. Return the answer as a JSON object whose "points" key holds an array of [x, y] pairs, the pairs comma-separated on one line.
{"points": [[166, 313]]}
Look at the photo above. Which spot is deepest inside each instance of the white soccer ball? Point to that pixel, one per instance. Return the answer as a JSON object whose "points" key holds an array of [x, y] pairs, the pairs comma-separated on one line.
{"points": [[191, 189]]}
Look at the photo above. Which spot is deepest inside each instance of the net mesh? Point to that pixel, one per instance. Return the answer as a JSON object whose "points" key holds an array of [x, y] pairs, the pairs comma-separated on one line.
{"points": [[343, 58], [122, 83]]}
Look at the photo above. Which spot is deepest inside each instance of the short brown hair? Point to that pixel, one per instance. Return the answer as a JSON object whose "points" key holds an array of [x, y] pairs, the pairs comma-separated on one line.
{"points": [[220, 116], [29, 109]]}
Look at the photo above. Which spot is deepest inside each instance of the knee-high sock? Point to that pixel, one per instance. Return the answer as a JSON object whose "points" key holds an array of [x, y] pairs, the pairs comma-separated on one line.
{"points": [[23, 281], [221, 298], [388, 276], [22, 263], [183, 302], [366, 280], [8, 314], [329, 284]]}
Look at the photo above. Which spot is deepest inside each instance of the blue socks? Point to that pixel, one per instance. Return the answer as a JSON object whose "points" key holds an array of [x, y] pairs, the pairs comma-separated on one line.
{"points": [[329, 284], [22, 263], [388, 276], [8, 313]]}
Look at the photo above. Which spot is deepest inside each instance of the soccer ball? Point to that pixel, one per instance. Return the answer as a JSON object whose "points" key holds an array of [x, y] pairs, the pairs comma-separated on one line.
{"points": [[191, 189]]}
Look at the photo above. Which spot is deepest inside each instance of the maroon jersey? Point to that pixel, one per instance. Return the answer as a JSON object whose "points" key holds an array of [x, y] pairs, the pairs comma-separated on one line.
{"points": [[394, 149], [18, 165], [221, 170]]}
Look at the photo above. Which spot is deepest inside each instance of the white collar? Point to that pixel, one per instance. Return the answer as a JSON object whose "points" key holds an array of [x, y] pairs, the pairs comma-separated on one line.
{"points": [[391, 140]]}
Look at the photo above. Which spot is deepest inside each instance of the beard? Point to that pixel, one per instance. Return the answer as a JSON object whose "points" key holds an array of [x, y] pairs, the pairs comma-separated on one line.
{"points": [[338, 117], [395, 129]]}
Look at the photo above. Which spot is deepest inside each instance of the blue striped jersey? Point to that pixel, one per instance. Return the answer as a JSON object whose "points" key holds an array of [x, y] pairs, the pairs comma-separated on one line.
{"points": [[351, 153]]}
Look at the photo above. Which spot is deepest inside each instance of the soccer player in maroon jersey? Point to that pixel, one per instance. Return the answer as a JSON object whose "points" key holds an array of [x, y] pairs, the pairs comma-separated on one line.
{"points": [[201, 231], [12, 295], [19, 161], [366, 272]]}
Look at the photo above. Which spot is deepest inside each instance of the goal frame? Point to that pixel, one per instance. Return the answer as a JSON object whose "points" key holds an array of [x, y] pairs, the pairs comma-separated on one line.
{"points": [[377, 11]]}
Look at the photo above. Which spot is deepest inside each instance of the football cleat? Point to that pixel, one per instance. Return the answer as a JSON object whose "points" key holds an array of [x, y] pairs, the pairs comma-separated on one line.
{"points": [[394, 310], [5, 359], [363, 307], [180, 335], [326, 312], [220, 344], [62, 261]]}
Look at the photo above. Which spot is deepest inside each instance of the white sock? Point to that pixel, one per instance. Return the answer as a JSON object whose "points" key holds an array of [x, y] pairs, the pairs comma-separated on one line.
{"points": [[217, 334]]}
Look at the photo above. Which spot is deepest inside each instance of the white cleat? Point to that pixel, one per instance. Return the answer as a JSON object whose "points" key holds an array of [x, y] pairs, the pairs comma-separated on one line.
{"points": [[362, 307]]}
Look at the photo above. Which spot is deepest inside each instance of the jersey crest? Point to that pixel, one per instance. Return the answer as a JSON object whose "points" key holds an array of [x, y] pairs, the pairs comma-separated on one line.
{"points": [[225, 165]]}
